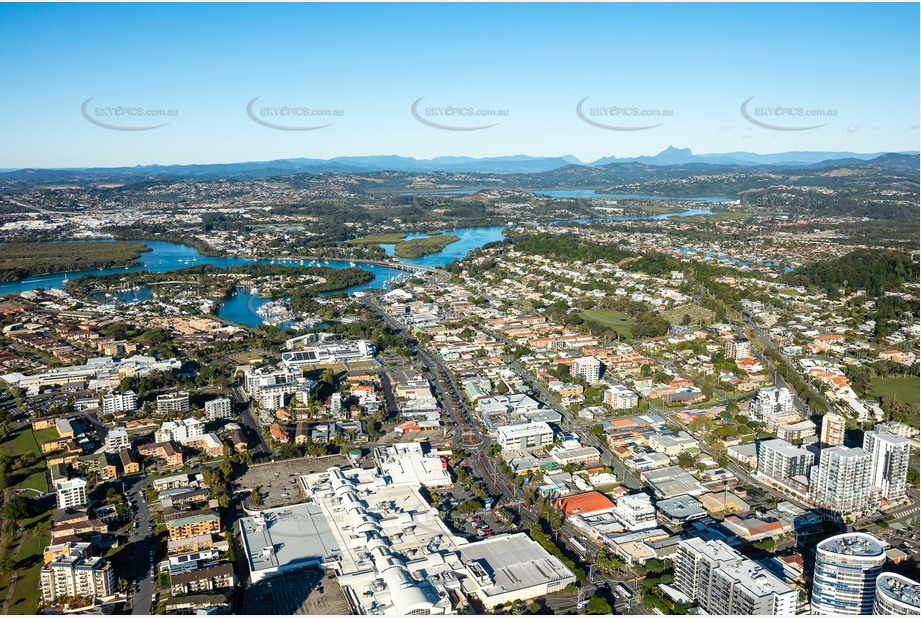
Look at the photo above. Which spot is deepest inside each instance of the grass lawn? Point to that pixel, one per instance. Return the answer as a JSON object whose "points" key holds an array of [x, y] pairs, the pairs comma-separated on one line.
{"points": [[698, 314], [21, 443], [43, 435], [25, 441], [29, 565], [903, 389], [246, 357], [615, 320], [35, 479]]}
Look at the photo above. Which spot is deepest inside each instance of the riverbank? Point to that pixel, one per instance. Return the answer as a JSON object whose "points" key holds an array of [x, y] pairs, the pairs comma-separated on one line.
{"points": [[19, 260]]}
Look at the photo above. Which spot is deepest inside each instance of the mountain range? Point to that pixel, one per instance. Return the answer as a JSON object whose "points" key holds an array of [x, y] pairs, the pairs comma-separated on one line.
{"points": [[516, 164]]}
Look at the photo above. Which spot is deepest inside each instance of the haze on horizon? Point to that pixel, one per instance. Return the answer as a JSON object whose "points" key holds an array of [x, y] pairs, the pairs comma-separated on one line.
{"points": [[522, 69]]}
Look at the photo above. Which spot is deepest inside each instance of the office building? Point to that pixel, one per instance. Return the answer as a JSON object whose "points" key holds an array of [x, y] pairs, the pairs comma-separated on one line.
{"points": [[723, 581], [330, 353], [890, 455], [842, 480], [833, 427], [896, 596], [71, 493], [676, 513], [845, 575]]}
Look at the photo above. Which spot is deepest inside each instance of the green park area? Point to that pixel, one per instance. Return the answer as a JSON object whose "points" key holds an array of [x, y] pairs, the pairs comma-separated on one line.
{"points": [[26, 525], [617, 321], [902, 388], [697, 314], [22, 446]]}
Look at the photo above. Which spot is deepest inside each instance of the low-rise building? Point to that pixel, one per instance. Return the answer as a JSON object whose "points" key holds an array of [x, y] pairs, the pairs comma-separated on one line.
{"points": [[169, 453], [192, 523], [524, 436], [635, 512], [129, 461], [218, 577], [676, 513]]}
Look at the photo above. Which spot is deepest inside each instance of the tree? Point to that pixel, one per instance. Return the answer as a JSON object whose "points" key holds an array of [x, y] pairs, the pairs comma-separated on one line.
{"points": [[19, 508], [469, 507], [597, 605]]}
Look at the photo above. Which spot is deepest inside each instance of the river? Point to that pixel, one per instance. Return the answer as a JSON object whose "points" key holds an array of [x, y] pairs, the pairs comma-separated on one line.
{"points": [[241, 308]]}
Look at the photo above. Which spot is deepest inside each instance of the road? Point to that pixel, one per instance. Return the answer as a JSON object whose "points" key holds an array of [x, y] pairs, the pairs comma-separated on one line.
{"points": [[246, 418], [439, 376], [142, 547], [768, 343]]}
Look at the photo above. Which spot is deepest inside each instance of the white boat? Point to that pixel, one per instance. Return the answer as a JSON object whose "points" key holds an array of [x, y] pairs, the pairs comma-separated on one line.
{"points": [[352, 264]]}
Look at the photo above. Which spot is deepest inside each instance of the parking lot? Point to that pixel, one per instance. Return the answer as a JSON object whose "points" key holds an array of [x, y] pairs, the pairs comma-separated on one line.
{"points": [[277, 482], [302, 593]]}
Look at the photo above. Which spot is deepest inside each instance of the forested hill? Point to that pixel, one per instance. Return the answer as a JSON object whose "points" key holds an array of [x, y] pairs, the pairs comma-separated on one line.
{"points": [[873, 270]]}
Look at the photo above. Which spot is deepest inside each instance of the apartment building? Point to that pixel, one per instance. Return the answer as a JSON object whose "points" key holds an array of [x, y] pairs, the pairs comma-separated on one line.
{"points": [[72, 573], [723, 581]]}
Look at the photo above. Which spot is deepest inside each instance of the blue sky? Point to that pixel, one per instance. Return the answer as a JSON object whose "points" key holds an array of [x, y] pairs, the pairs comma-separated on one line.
{"points": [[693, 65]]}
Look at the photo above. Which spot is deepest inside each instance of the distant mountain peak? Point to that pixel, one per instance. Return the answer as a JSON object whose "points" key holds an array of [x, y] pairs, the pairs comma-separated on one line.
{"points": [[671, 150]]}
